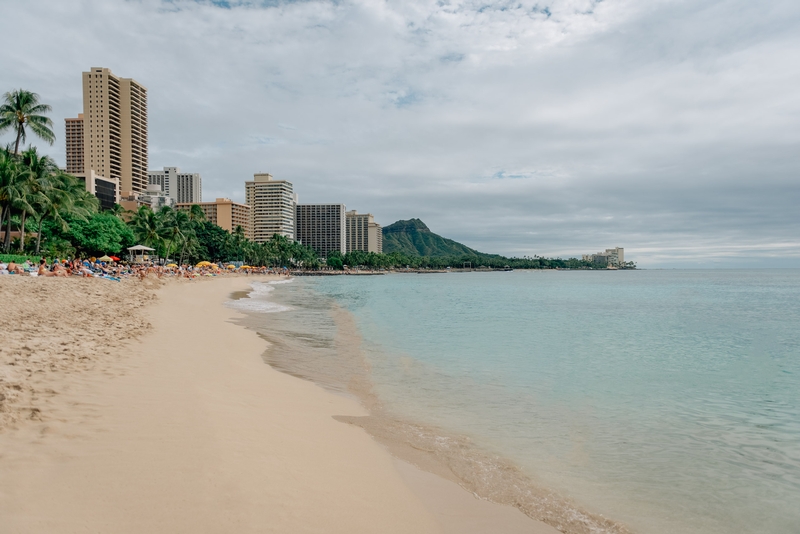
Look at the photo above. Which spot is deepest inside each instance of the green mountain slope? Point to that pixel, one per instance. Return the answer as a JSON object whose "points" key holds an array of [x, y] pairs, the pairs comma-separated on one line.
{"points": [[414, 238]]}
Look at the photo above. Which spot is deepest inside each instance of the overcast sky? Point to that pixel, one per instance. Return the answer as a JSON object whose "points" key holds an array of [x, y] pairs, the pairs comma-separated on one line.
{"points": [[557, 127]]}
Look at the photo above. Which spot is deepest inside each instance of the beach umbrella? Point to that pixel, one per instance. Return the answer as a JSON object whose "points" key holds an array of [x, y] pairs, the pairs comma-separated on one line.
{"points": [[231, 266], [213, 265], [203, 264], [172, 265], [114, 258], [246, 267], [104, 258]]}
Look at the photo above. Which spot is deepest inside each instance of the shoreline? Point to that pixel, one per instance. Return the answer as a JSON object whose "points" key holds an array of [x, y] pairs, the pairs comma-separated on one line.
{"points": [[187, 430], [343, 369]]}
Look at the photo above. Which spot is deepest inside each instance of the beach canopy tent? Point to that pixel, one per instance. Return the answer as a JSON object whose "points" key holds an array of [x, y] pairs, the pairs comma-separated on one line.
{"points": [[104, 258], [138, 253]]}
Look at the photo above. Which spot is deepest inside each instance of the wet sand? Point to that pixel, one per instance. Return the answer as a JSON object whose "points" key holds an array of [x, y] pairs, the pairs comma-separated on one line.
{"points": [[185, 429], [318, 340]]}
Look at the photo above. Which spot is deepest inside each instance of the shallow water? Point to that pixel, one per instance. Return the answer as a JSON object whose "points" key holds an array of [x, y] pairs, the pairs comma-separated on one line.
{"points": [[667, 400]]}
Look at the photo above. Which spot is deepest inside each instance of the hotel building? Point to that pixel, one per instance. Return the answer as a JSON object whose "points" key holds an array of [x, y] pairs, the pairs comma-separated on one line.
{"points": [[272, 205], [105, 189], [321, 227], [181, 186], [152, 196], [114, 129], [614, 257], [363, 233], [223, 212], [74, 140]]}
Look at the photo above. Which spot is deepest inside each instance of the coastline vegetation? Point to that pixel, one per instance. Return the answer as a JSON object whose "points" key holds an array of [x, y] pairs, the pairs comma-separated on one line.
{"points": [[401, 260]]}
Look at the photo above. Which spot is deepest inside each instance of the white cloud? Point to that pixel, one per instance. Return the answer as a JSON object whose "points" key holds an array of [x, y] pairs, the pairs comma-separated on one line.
{"points": [[517, 127]]}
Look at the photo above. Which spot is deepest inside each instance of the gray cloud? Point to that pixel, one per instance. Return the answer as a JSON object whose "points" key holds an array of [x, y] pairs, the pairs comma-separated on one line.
{"points": [[666, 127]]}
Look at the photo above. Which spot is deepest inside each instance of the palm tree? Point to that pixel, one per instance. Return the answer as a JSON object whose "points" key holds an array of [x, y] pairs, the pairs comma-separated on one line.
{"points": [[63, 197], [196, 213], [53, 204], [147, 227], [21, 108], [40, 173], [119, 211], [84, 203], [9, 170], [237, 241], [175, 225]]}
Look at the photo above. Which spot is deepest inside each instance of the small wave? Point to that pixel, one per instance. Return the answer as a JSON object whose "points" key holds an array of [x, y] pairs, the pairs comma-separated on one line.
{"points": [[257, 300]]}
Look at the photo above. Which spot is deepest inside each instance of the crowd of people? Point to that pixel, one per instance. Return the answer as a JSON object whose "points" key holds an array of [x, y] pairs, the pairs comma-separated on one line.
{"points": [[115, 270]]}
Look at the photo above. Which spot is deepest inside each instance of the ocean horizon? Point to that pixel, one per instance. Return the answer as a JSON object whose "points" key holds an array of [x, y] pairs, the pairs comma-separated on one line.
{"points": [[657, 401]]}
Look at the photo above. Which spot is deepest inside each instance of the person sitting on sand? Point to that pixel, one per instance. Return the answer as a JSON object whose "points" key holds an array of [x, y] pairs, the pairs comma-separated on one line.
{"points": [[43, 269], [15, 268]]}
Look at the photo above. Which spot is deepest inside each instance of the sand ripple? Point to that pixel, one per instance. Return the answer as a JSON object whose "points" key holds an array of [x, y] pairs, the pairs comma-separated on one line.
{"points": [[52, 327]]}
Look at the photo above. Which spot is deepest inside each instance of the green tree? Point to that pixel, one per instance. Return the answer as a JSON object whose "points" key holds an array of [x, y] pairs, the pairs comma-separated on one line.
{"points": [[99, 234], [11, 189], [196, 214], [236, 244], [21, 109], [64, 195], [177, 229], [335, 260], [147, 227], [40, 177], [211, 242]]}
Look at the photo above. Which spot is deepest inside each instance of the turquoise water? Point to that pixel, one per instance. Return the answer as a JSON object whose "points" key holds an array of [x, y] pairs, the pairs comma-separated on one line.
{"points": [[667, 400]]}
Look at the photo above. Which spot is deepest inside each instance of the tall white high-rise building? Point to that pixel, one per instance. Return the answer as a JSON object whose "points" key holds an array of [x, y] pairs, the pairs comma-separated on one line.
{"points": [[272, 207], [183, 187]]}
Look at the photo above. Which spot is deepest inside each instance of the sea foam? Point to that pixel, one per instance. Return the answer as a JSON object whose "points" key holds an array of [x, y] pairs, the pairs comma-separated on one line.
{"points": [[258, 299]]}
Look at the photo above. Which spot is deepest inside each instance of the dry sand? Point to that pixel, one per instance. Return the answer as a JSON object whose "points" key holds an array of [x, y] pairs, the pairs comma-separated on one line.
{"points": [[52, 328], [185, 429]]}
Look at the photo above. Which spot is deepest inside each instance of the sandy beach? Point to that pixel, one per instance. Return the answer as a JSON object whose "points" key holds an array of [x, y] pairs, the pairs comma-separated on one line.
{"points": [[141, 407]]}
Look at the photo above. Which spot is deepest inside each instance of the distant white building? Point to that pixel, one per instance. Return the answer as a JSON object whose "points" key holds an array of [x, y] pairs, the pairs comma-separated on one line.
{"points": [[614, 257], [156, 198], [152, 196], [272, 207], [182, 187]]}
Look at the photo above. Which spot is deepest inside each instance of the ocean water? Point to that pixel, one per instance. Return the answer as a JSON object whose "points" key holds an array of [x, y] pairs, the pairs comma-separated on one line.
{"points": [[668, 401]]}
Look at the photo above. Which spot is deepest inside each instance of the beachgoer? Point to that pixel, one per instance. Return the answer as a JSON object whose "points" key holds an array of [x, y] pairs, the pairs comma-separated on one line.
{"points": [[43, 269]]}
